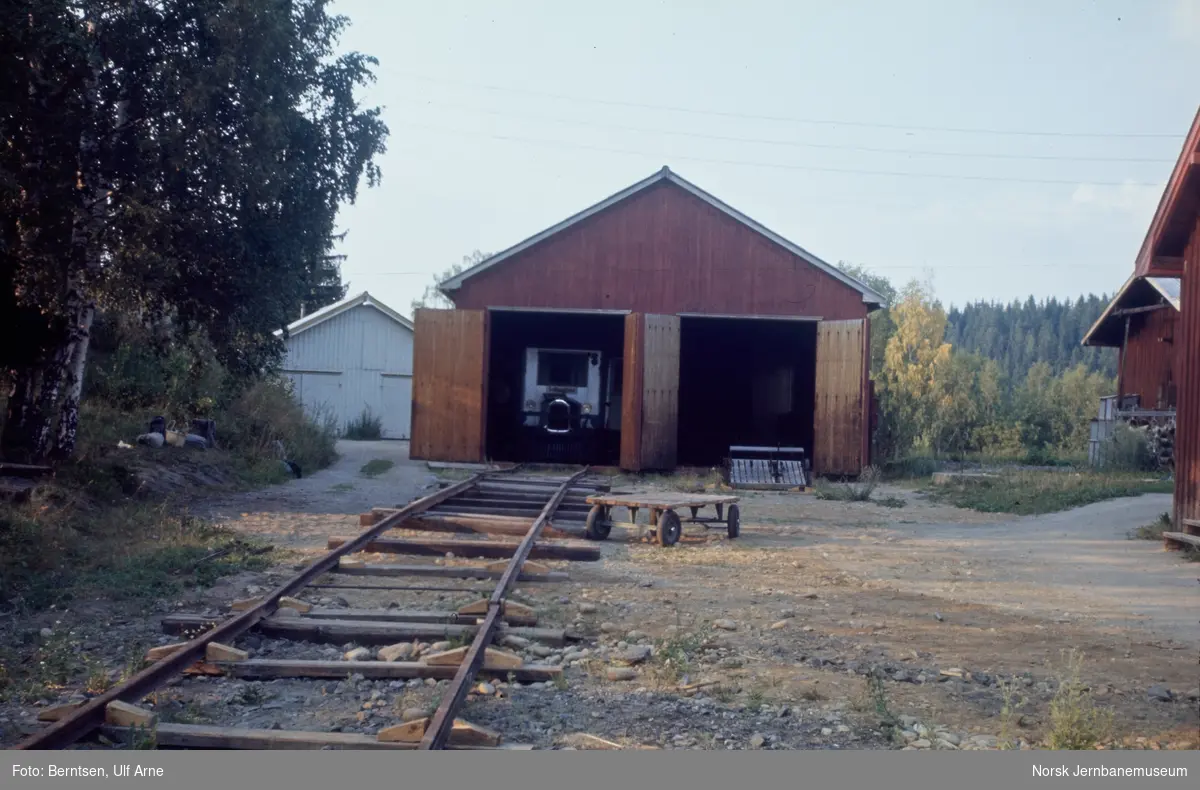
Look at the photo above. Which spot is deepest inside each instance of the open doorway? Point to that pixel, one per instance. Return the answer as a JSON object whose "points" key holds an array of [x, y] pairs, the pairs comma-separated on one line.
{"points": [[554, 387], [745, 381]]}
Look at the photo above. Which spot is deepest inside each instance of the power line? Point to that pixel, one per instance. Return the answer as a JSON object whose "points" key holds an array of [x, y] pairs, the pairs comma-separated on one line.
{"points": [[795, 143], [777, 166], [796, 119]]}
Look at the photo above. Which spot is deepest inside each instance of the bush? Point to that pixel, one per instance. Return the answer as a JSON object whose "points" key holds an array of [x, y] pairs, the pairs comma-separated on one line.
{"points": [[266, 424], [1128, 448], [364, 427], [1075, 721], [851, 491]]}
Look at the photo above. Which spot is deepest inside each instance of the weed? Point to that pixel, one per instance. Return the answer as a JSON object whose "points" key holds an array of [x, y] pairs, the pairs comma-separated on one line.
{"points": [[1009, 712], [755, 699], [342, 487], [1152, 531], [1075, 721], [142, 739], [673, 655], [375, 467], [189, 713], [364, 427], [724, 694], [850, 491], [560, 681], [251, 695], [891, 501], [873, 698], [811, 694]]}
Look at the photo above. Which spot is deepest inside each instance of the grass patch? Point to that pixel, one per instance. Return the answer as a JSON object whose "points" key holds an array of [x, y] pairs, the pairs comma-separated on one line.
{"points": [[342, 487], [364, 427], [1152, 531], [891, 501], [859, 490], [375, 467], [1027, 492], [132, 551]]}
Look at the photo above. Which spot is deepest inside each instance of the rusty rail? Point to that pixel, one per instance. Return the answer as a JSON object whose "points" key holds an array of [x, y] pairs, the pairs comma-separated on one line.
{"points": [[438, 731], [91, 715]]}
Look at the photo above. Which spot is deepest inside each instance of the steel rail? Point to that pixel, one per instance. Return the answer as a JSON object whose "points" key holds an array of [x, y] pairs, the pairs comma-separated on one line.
{"points": [[91, 715], [438, 732]]}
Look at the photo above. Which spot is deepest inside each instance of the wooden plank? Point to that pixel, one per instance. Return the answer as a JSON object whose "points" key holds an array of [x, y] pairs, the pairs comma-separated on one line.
{"points": [[216, 651], [530, 512], [838, 415], [516, 616], [122, 714], [449, 390], [463, 733], [161, 652], [24, 470], [508, 610], [263, 669], [364, 632], [578, 552], [1183, 537], [468, 523], [91, 715], [529, 567], [408, 732], [660, 392], [497, 660], [56, 712], [203, 736], [668, 500], [631, 393], [359, 568]]}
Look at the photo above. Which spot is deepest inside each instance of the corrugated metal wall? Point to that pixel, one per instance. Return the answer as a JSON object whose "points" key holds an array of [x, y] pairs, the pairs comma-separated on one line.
{"points": [[1149, 363], [1187, 436], [358, 359]]}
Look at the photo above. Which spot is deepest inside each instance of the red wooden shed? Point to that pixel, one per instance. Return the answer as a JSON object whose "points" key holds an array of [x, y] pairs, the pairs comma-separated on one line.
{"points": [[693, 328]]}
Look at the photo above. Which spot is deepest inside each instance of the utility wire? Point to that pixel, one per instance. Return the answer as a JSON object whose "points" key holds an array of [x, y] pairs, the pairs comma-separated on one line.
{"points": [[792, 143], [775, 165], [796, 119]]}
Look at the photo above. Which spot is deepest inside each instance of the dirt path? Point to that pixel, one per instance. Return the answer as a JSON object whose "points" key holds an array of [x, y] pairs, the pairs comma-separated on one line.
{"points": [[301, 514]]}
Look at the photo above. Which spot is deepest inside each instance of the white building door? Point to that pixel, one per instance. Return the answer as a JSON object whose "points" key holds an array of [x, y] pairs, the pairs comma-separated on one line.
{"points": [[395, 401]]}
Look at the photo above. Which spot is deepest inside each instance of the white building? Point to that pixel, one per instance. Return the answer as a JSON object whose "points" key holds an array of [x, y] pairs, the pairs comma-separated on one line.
{"points": [[352, 356]]}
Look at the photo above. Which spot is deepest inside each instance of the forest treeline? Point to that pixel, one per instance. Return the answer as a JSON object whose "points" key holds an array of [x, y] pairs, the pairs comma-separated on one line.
{"points": [[988, 379]]}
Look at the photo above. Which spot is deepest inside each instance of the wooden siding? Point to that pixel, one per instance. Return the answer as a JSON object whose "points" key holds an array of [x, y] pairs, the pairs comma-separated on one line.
{"points": [[838, 421], [449, 391], [662, 251], [1148, 361], [359, 359], [1187, 435], [650, 400]]}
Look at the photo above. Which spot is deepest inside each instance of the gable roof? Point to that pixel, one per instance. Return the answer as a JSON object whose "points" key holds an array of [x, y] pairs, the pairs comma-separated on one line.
{"points": [[1137, 291], [1168, 227], [665, 175], [364, 299]]}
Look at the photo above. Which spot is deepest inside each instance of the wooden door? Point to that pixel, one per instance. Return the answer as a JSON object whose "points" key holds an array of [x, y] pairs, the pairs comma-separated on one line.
{"points": [[838, 421], [650, 395], [449, 391]]}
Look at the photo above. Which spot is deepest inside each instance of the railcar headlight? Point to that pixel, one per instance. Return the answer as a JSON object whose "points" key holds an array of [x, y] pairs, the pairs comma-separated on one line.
{"points": [[587, 408]]}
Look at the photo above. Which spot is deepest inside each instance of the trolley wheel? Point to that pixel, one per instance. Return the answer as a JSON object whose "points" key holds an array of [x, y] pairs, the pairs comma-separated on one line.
{"points": [[734, 522], [596, 528], [669, 528]]}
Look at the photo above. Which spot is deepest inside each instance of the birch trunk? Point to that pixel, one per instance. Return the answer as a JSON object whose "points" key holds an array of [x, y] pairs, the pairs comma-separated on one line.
{"points": [[68, 416], [17, 416]]}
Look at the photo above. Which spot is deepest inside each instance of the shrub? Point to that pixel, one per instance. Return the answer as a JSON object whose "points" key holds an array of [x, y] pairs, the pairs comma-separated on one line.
{"points": [[851, 491], [267, 418], [1075, 721], [1128, 448], [364, 427]]}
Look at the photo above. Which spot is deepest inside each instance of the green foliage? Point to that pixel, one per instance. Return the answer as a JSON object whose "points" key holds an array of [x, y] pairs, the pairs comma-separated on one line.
{"points": [[1153, 531], [1128, 448], [267, 416], [851, 490], [432, 296], [364, 427], [1027, 492], [1076, 723]]}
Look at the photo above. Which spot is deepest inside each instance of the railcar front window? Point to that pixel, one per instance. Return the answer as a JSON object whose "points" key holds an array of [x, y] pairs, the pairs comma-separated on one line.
{"points": [[562, 369]]}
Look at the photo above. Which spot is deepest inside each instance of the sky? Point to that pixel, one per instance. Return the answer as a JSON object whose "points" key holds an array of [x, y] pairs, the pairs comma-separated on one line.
{"points": [[995, 149]]}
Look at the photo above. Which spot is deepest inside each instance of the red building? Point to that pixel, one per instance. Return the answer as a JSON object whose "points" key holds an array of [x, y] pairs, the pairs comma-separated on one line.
{"points": [[704, 330], [1161, 357]]}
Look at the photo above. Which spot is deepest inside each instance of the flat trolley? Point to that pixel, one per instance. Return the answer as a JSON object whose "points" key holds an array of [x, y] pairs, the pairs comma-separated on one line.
{"points": [[666, 523]]}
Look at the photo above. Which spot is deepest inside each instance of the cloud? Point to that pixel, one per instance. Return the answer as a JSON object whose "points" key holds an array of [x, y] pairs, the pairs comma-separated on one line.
{"points": [[1185, 19]]}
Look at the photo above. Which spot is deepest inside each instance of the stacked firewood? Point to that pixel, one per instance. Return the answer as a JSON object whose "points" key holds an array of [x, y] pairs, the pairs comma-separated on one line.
{"points": [[1160, 438]]}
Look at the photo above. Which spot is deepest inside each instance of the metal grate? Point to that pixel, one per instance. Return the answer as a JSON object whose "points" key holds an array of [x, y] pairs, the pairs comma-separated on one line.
{"points": [[775, 467]]}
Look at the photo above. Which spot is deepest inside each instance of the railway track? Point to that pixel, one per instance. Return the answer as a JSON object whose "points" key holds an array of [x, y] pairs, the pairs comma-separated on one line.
{"points": [[483, 514]]}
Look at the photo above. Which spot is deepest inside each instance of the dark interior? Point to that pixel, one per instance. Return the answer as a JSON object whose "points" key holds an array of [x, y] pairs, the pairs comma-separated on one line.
{"points": [[744, 381], [511, 332]]}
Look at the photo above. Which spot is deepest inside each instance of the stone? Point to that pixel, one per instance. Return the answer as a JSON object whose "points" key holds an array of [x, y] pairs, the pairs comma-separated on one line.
{"points": [[900, 676], [636, 636], [921, 743], [787, 614], [733, 662], [779, 626], [942, 743], [986, 741], [646, 583], [1193, 695], [950, 737], [908, 721], [757, 740], [1160, 692], [621, 673], [826, 731], [609, 628], [920, 729], [46, 633], [485, 689], [412, 714], [398, 652], [634, 654], [909, 736], [938, 616], [518, 642], [955, 672], [587, 608], [438, 647], [541, 651], [358, 654], [724, 624]]}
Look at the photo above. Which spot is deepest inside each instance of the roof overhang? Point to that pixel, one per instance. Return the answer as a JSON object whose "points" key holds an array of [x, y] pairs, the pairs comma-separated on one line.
{"points": [[1162, 249], [665, 175], [1138, 294], [363, 299]]}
